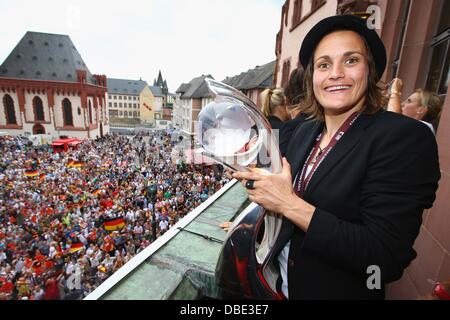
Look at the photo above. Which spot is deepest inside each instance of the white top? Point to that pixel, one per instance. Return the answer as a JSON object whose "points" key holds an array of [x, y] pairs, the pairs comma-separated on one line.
{"points": [[429, 125]]}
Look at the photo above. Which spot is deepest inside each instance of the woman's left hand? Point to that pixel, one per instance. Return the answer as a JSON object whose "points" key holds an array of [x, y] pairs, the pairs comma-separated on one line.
{"points": [[271, 191]]}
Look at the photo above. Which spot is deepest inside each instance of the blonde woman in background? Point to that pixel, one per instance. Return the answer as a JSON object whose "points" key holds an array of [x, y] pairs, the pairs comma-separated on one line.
{"points": [[422, 105], [274, 107], [425, 106]]}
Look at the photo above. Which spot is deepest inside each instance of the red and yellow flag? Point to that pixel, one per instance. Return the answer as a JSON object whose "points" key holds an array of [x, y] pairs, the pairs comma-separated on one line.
{"points": [[114, 224], [74, 247], [31, 173], [75, 164]]}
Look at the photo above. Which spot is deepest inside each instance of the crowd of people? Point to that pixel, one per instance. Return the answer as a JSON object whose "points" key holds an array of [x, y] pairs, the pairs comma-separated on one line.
{"points": [[69, 220]]}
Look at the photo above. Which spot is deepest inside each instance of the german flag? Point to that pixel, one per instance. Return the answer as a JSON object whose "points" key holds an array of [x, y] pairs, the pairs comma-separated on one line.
{"points": [[42, 177], [76, 247], [75, 164], [31, 173], [114, 224], [78, 164]]}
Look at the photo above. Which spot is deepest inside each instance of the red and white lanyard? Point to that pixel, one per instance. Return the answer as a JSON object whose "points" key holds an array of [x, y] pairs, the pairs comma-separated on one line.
{"points": [[304, 178]]}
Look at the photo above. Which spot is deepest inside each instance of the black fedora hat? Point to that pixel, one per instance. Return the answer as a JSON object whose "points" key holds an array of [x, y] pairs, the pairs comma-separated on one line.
{"points": [[344, 22]]}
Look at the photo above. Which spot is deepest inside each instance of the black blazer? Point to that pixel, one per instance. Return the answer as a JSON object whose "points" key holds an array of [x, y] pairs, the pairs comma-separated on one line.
{"points": [[369, 193], [287, 130], [275, 122]]}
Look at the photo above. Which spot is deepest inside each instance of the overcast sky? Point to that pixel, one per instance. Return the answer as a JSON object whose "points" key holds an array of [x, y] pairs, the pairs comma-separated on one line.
{"points": [[136, 38]]}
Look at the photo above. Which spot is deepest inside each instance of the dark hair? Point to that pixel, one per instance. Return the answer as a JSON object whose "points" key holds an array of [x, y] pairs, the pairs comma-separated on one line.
{"points": [[294, 88], [375, 99]]}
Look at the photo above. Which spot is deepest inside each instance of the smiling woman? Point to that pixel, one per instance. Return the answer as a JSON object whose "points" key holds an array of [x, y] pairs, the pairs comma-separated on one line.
{"points": [[356, 179], [325, 74]]}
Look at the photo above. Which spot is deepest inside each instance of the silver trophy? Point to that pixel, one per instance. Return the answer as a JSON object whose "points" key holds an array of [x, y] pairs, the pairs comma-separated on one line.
{"points": [[233, 131]]}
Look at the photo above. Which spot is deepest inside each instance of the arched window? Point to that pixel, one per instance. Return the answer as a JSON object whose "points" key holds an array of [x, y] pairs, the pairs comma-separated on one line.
{"points": [[38, 109], [10, 113], [90, 112], [38, 129], [67, 112]]}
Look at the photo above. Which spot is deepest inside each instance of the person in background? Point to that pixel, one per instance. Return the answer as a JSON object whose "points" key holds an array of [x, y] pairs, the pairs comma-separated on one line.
{"points": [[274, 107], [422, 104], [293, 90], [294, 95]]}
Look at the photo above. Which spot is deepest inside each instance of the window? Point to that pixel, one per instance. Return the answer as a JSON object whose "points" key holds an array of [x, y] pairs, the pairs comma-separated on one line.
{"points": [[444, 22], [115, 104], [115, 97], [90, 112], [439, 73], [109, 96], [297, 16], [110, 104], [120, 113], [38, 109], [125, 114], [120, 97], [10, 112], [67, 112], [120, 104], [285, 72], [315, 4]]}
